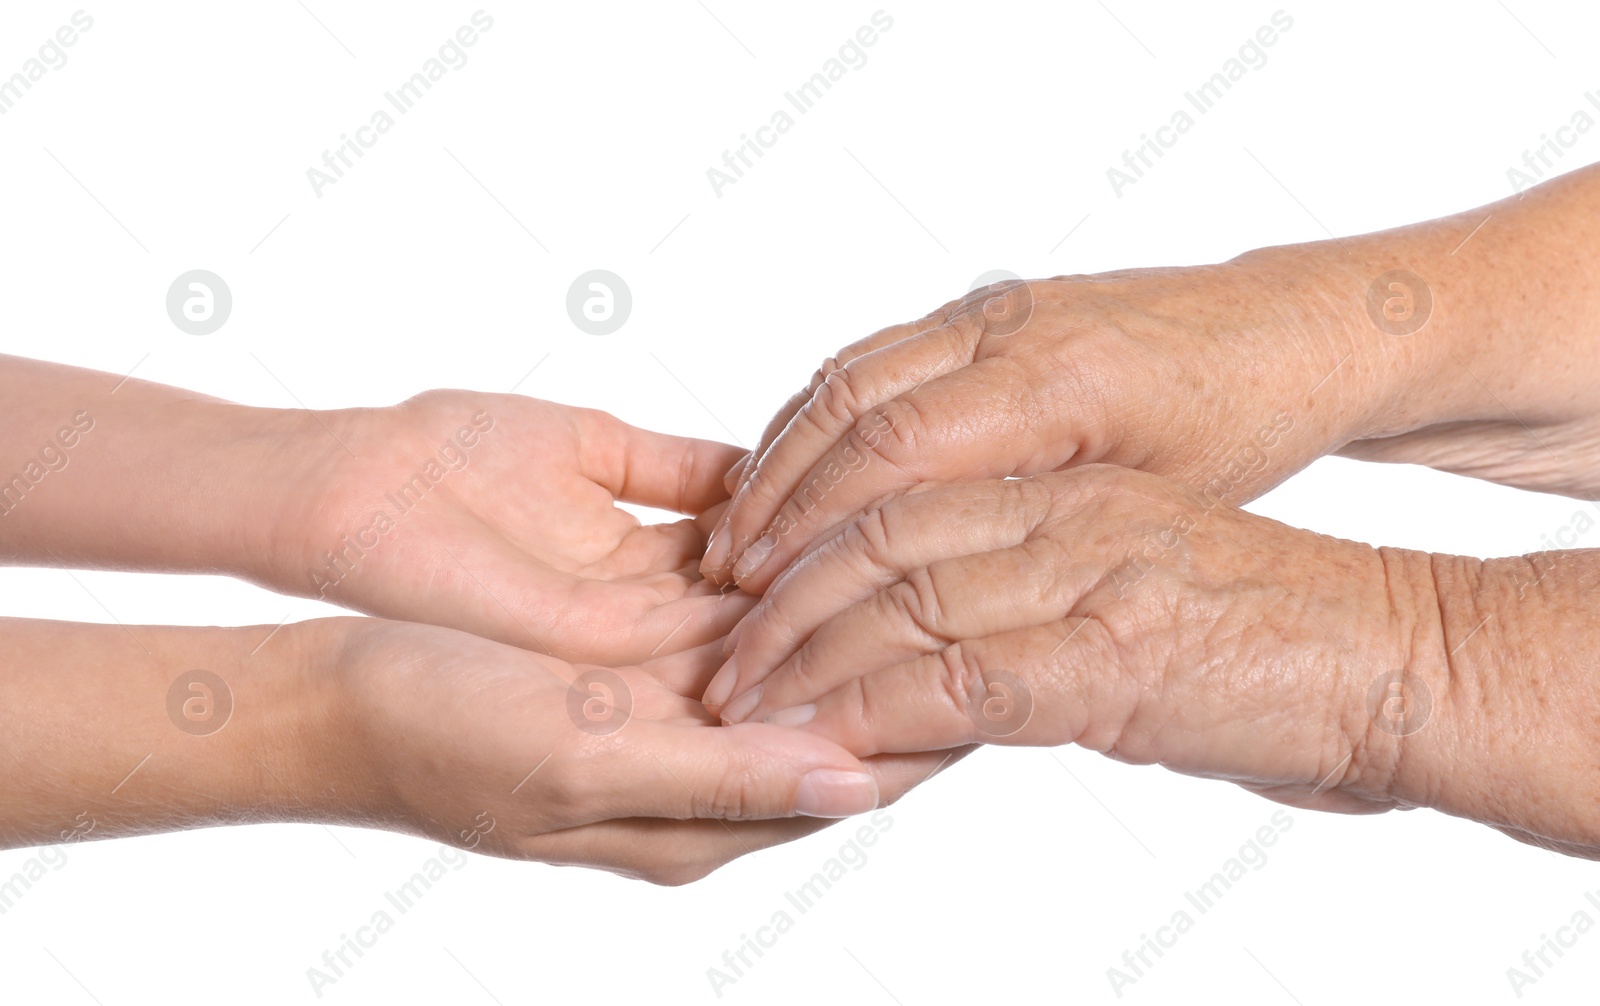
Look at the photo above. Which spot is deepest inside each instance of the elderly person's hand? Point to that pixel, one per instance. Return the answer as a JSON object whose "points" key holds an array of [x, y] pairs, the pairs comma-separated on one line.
{"points": [[1127, 613], [1408, 345]]}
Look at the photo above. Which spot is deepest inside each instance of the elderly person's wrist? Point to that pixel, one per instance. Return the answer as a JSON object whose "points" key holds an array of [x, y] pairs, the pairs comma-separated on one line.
{"points": [[1497, 716], [1382, 342]]}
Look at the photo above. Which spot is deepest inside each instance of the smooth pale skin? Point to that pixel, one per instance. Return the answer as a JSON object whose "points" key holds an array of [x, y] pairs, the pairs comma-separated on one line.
{"points": [[1149, 623], [523, 544], [406, 727], [1173, 370], [410, 727]]}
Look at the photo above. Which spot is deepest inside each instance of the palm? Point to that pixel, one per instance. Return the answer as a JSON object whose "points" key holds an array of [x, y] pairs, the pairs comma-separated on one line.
{"points": [[513, 533], [529, 757]]}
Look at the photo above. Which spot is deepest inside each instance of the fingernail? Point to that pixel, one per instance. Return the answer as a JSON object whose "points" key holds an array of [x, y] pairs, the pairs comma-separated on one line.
{"points": [[828, 792], [731, 641], [794, 716], [738, 467], [717, 548], [741, 707], [754, 556], [721, 685]]}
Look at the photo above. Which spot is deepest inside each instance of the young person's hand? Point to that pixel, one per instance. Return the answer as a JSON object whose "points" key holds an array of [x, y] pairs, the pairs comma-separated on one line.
{"points": [[495, 514], [410, 728]]}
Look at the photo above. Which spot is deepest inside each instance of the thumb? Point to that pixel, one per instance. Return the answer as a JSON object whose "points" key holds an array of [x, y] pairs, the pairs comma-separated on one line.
{"points": [[745, 772], [659, 470]]}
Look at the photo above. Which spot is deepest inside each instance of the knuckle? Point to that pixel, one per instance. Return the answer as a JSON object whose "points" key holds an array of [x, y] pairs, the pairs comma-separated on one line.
{"points": [[961, 676], [691, 474], [1083, 488], [819, 375], [868, 536], [838, 399], [769, 628], [916, 600], [799, 675], [895, 431], [1026, 502], [735, 795]]}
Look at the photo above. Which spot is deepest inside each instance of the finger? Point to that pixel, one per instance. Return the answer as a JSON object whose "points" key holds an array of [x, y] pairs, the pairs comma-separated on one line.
{"points": [[659, 470], [687, 671], [966, 597], [628, 621], [707, 521], [730, 478], [747, 772], [830, 415], [1044, 685], [651, 548], [861, 347], [656, 850], [874, 550], [675, 852], [719, 545], [979, 422]]}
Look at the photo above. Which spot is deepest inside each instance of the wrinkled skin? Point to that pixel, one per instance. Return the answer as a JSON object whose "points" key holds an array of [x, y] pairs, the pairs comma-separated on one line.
{"points": [[1103, 607]]}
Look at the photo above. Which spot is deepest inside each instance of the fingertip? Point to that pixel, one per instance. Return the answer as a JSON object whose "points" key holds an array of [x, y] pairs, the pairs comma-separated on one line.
{"points": [[738, 709], [731, 641], [721, 686], [753, 559], [835, 793], [794, 716], [735, 474], [706, 458]]}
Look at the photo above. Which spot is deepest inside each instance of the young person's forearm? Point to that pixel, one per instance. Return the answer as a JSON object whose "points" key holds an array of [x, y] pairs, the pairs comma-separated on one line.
{"points": [[115, 730], [103, 472]]}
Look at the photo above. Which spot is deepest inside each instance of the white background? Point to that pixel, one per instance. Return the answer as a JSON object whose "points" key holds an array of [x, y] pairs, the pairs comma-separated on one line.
{"points": [[975, 137]]}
